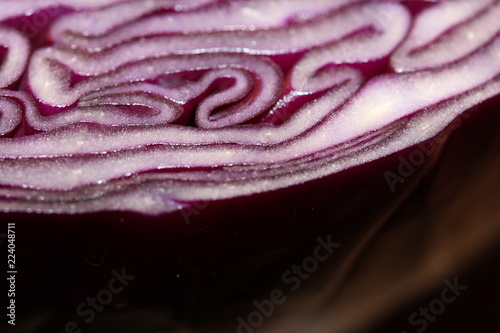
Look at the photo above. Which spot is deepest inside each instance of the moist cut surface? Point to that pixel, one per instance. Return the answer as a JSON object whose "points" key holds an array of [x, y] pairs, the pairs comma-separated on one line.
{"points": [[150, 106]]}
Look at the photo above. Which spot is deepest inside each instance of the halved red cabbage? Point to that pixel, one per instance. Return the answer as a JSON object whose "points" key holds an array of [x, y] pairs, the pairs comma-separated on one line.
{"points": [[166, 103]]}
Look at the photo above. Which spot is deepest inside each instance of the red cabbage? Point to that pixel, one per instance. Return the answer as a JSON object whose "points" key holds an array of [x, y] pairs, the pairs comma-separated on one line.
{"points": [[163, 104]]}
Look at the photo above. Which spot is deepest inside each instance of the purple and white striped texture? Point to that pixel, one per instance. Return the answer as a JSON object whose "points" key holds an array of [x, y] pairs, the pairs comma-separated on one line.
{"points": [[150, 105]]}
